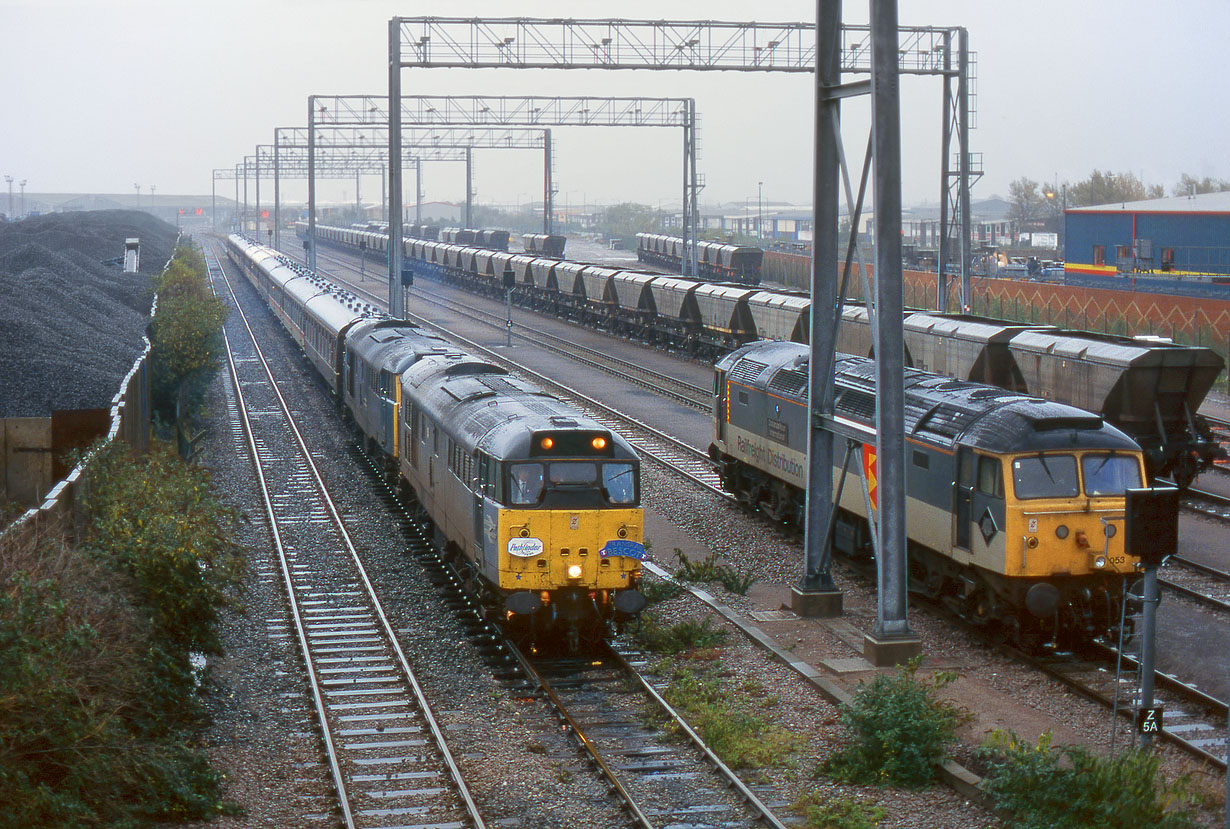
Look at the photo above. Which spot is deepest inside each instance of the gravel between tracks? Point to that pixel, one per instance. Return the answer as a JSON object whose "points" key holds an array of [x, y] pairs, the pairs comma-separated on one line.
{"points": [[519, 765], [1001, 693]]}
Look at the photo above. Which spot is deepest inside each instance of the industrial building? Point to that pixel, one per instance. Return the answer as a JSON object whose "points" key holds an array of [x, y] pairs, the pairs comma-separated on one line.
{"points": [[1183, 236]]}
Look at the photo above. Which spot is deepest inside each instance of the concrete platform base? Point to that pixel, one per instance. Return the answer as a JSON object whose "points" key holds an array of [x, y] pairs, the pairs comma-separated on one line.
{"points": [[886, 652], [822, 604]]}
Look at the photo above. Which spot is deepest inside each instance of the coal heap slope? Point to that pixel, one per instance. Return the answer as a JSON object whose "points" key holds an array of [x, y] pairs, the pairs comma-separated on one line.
{"points": [[70, 326]]}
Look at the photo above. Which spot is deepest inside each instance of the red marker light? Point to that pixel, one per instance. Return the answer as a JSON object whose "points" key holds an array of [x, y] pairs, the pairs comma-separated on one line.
{"points": [[598, 443], [547, 443]]}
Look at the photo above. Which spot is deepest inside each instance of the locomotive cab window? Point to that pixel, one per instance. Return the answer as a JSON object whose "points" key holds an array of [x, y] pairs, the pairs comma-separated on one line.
{"points": [[619, 483], [524, 483], [1045, 476], [1109, 474], [990, 477]]}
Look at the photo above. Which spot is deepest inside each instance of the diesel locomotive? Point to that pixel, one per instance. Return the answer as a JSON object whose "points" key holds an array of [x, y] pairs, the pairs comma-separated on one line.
{"points": [[537, 504], [1148, 388], [1015, 504]]}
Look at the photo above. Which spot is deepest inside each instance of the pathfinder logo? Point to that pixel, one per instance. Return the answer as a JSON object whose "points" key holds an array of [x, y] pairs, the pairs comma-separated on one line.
{"points": [[768, 458]]}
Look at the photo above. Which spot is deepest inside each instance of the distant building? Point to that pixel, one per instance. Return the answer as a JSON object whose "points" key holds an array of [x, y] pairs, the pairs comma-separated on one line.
{"points": [[1184, 235]]}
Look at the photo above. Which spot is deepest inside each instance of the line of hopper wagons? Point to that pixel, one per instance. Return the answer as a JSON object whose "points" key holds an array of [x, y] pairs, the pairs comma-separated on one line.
{"points": [[1148, 387]]}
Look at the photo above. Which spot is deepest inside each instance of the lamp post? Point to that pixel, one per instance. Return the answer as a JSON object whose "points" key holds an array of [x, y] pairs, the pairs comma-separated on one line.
{"points": [[22, 184], [1063, 208], [760, 210], [137, 187], [9, 179]]}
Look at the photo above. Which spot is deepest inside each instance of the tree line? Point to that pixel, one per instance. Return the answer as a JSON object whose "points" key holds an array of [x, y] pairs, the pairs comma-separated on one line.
{"points": [[1039, 204]]}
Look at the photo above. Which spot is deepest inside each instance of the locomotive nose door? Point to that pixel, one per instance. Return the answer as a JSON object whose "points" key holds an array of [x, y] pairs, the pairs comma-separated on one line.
{"points": [[963, 497]]}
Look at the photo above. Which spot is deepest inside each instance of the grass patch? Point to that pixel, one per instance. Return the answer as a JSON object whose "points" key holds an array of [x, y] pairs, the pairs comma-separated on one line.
{"points": [[821, 812], [683, 636], [1046, 787], [660, 590], [898, 729], [708, 570], [743, 739]]}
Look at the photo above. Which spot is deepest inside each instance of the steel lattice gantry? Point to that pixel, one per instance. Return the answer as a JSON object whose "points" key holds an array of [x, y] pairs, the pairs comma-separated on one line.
{"points": [[337, 157], [423, 145], [369, 112], [510, 111], [883, 49], [715, 45]]}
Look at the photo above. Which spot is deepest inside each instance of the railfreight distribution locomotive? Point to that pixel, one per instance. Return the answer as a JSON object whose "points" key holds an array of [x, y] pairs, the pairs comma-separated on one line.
{"points": [[1015, 504], [537, 504], [1148, 388]]}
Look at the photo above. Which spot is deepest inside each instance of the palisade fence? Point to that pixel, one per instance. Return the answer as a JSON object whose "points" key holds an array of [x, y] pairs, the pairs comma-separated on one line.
{"points": [[1186, 320], [131, 415]]}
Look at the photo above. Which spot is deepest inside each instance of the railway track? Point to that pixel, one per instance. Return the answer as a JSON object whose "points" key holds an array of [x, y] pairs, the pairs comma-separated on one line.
{"points": [[1198, 582], [664, 384], [1196, 722], [661, 781], [386, 754], [600, 699], [1193, 721]]}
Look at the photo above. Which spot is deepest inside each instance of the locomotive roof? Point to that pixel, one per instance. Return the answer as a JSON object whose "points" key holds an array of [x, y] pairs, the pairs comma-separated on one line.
{"points": [[938, 410], [484, 407]]}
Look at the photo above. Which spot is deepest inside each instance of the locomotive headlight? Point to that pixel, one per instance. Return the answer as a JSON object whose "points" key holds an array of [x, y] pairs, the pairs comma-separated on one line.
{"points": [[598, 443], [1061, 531], [574, 571], [1110, 530], [1099, 562], [547, 443]]}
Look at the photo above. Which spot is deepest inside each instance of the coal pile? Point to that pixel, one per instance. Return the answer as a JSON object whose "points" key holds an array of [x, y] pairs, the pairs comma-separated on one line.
{"points": [[70, 326]]}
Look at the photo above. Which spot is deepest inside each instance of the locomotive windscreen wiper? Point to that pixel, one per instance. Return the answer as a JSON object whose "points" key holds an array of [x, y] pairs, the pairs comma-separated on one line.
{"points": [[1045, 468]]}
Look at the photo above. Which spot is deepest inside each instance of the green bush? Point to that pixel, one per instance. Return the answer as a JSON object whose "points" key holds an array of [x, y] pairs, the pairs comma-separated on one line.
{"points": [[186, 342], [821, 812], [741, 738], [682, 636], [1041, 787], [99, 714], [899, 729]]}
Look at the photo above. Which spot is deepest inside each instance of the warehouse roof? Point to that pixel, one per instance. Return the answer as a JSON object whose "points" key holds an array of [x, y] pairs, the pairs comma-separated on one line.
{"points": [[1203, 203]]}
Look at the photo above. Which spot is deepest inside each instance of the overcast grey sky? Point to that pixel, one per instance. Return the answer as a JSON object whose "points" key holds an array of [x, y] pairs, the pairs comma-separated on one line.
{"points": [[100, 94]]}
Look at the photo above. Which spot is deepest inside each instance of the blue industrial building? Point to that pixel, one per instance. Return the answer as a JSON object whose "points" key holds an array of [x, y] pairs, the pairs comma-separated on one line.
{"points": [[1185, 236]]}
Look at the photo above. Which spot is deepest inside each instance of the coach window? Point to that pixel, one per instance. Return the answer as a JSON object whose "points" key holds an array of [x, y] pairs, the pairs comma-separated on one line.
{"points": [[1099, 254], [990, 477]]}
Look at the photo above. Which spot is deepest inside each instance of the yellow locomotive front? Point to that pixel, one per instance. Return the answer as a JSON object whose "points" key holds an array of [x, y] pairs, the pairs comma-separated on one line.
{"points": [[567, 537], [1063, 554], [1068, 509]]}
